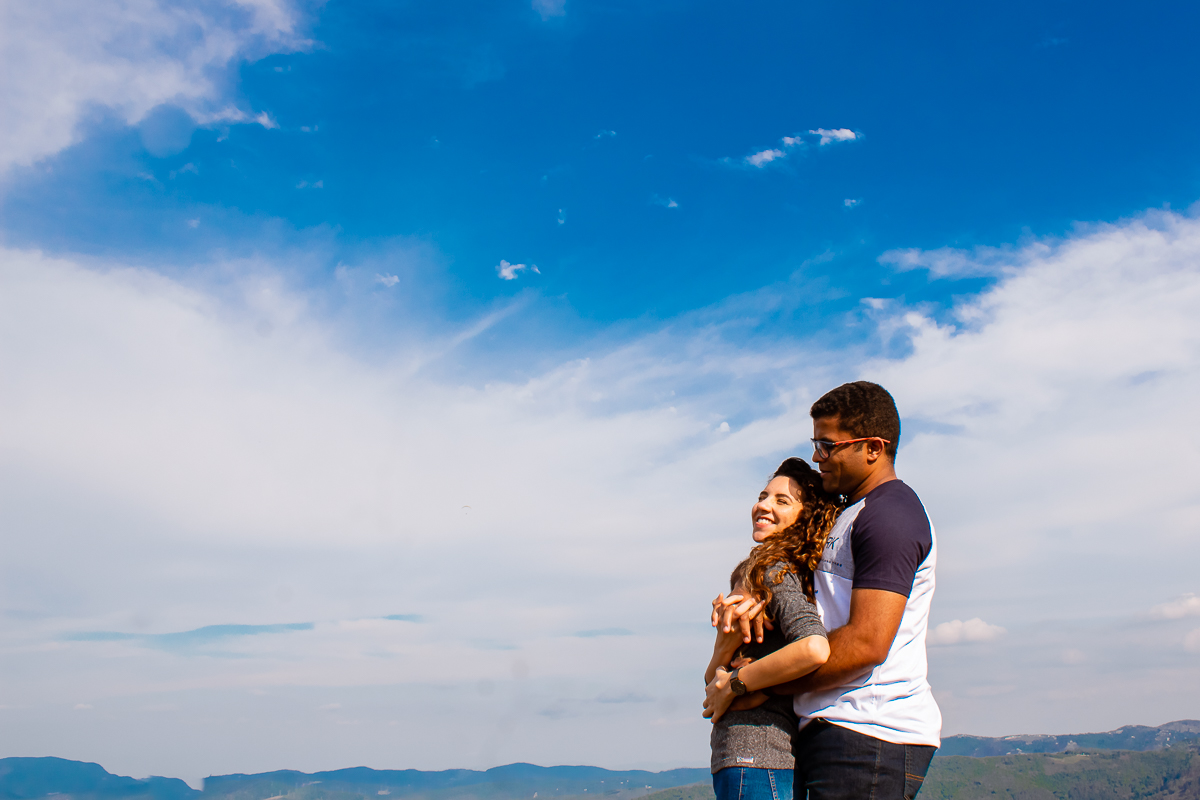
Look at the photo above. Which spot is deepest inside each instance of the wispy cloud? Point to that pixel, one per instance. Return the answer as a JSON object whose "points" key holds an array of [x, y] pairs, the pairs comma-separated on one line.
{"points": [[508, 272], [187, 640], [790, 144], [1187, 605], [763, 157], [592, 634], [948, 262], [959, 632], [605, 135], [65, 58], [829, 136], [550, 8], [665, 202]]}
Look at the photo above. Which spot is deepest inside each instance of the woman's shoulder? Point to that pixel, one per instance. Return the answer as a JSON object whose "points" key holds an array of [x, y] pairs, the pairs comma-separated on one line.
{"points": [[783, 574]]}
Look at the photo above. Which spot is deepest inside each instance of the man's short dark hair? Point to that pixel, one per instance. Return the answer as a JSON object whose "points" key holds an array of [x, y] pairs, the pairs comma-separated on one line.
{"points": [[863, 409]]}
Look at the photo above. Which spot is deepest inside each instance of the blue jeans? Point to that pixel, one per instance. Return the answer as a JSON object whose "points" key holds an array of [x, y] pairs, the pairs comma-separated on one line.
{"points": [[749, 783], [834, 763]]}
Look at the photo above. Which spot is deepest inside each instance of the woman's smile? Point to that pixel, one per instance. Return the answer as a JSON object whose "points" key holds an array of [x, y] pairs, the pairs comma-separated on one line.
{"points": [[777, 508]]}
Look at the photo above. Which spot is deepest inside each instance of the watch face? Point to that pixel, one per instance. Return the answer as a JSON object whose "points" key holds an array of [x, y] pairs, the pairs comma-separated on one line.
{"points": [[735, 683]]}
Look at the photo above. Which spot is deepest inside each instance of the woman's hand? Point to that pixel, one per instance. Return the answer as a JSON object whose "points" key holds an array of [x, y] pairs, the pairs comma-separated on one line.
{"points": [[718, 696], [740, 612]]}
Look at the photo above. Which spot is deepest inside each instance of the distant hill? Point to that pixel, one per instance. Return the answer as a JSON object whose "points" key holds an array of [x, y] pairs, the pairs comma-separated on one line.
{"points": [[29, 778], [1169, 774], [510, 782], [1131, 737]]}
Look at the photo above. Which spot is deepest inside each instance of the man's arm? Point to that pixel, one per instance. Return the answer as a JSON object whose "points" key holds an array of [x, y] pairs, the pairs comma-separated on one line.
{"points": [[858, 646]]}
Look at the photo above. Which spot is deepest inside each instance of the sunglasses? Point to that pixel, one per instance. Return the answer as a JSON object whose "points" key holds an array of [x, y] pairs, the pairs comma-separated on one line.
{"points": [[823, 447]]}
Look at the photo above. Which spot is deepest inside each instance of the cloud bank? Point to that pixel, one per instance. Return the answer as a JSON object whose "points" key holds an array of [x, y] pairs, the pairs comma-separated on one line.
{"points": [[179, 456]]}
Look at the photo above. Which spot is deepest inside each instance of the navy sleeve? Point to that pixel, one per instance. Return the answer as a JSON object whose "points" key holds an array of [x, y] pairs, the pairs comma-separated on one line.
{"points": [[890, 538]]}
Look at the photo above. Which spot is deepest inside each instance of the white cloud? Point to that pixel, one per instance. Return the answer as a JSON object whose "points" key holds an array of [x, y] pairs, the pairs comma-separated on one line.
{"points": [[959, 632], [791, 143], [850, 202], [388, 280], [835, 135], [1191, 642], [508, 272], [763, 157], [605, 135], [550, 8], [63, 59], [1187, 605]]}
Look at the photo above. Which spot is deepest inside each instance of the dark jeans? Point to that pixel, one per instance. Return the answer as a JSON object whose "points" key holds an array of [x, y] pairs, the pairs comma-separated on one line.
{"points": [[748, 783], [835, 763]]}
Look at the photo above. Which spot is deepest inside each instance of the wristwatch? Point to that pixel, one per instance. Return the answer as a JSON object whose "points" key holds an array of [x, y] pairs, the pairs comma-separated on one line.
{"points": [[735, 683]]}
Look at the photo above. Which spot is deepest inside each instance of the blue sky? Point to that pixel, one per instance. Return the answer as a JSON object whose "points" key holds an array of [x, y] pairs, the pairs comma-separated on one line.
{"points": [[340, 338]]}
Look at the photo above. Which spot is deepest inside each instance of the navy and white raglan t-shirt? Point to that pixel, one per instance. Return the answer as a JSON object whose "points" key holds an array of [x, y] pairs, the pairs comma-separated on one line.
{"points": [[884, 541]]}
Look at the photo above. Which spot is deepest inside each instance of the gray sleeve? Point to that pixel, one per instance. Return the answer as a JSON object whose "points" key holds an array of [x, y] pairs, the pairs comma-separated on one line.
{"points": [[794, 616]]}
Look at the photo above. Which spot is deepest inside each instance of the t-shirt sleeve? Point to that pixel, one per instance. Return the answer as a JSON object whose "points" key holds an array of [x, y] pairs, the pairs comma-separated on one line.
{"points": [[891, 538], [794, 616]]}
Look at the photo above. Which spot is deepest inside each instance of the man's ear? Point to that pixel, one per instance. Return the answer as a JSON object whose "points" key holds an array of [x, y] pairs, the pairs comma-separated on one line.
{"points": [[874, 450]]}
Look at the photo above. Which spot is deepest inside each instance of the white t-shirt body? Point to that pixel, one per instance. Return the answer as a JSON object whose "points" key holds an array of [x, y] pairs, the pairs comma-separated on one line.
{"points": [[884, 541]]}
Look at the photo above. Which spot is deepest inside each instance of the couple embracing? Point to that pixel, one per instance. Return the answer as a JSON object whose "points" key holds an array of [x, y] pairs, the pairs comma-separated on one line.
{"points": [[818, 681]]}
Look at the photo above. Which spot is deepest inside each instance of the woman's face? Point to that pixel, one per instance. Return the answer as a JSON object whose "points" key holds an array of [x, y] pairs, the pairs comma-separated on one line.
{"points": [[777, 508]]}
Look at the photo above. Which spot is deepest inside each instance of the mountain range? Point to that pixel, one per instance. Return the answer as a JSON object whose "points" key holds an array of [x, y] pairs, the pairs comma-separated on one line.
{"points": [[1131, 763]]}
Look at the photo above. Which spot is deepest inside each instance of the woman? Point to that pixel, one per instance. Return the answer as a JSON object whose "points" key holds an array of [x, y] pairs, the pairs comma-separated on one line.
{"points": [[752, 747]]}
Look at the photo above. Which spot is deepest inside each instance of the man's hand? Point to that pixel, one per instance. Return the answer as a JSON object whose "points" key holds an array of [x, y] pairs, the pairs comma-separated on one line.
{"points": [[738, 610], [748, 701]]}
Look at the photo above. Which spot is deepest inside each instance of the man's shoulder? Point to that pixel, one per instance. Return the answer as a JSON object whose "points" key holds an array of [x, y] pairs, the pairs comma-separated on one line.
{"points": [[894, 500], [892, 537], [893, 510]]}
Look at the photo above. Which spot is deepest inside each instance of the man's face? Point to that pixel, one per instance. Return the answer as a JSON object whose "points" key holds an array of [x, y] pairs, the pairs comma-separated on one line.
{"points": [[843, 470]]}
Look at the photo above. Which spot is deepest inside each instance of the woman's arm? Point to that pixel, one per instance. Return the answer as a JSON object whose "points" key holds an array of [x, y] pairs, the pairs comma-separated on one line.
{"points": [[790, 662], [726, 646]]}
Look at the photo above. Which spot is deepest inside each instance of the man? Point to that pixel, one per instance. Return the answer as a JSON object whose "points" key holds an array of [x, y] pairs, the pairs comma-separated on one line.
{"points": [[869, 723]]}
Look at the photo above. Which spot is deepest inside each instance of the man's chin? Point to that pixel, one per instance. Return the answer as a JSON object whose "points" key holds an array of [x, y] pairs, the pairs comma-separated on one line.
{"points": [[829, 483]]}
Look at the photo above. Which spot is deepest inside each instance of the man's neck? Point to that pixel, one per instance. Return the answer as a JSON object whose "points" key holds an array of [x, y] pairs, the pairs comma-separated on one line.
{"points": [[877, 478]]}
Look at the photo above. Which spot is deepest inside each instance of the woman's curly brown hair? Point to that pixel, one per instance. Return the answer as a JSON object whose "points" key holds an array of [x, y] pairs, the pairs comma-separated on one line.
{"points": [[796, 549]]}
